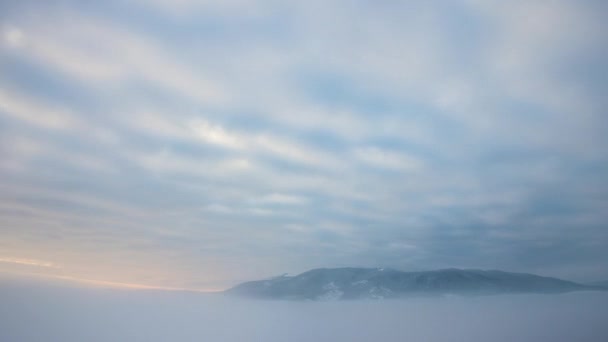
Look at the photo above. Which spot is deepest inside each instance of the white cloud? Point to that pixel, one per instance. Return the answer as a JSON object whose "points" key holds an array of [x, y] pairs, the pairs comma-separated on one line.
{"points": [[216, 134], [118, 57], [295, 152], [388, 159], [13, 36], [250, 144], [189, 8], [534, 41], [167, 161], [223, 120], [261, 212], [283, 199], [28, 262], [218, 208], [30, 110]]}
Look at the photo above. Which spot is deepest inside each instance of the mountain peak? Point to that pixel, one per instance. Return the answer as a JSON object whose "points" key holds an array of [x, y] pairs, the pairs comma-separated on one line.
{"points": [[380, 283]]}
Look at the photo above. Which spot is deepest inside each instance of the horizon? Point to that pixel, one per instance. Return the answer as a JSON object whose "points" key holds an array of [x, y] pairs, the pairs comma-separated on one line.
{"points": [[46, 279], [199, 144]]}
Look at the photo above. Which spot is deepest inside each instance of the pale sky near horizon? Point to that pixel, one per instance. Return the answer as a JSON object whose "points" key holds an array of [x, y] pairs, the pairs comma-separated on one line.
{"points": [[197, 144]]}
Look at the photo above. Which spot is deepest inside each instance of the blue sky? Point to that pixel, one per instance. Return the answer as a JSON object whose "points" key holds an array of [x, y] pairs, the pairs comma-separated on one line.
{"points": [[196, 144]]}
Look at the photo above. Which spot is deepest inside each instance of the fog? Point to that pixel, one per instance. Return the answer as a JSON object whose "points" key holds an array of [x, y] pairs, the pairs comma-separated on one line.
{"points": [[32, 311]]}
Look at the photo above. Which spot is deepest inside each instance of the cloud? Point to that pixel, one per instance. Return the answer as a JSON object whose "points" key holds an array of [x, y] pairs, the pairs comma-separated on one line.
{"points": [[218, 208], [117, 58], [277, 198], [28, 262], [13, 36], [28, 110], [190, 8], [211, 142], [387, 159]]}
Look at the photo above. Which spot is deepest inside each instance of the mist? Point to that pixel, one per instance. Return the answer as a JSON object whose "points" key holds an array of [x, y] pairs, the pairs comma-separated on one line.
{"points": [[36, 311]]}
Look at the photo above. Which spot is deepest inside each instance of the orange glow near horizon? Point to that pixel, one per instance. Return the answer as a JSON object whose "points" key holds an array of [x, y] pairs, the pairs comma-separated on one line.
{"points": [[133, 286], [42, 266], [112, 284], [28, 262]]}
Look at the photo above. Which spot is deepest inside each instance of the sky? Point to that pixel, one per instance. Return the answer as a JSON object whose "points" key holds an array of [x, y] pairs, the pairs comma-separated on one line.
{"points": [[198, 144]]}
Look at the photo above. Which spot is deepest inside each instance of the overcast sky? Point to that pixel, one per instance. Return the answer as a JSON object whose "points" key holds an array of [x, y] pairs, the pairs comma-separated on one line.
{"points": [[197, 144]]}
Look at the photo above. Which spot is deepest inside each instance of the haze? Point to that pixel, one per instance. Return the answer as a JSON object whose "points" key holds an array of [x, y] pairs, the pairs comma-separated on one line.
{"points": [[34, 311], [191, 145]]}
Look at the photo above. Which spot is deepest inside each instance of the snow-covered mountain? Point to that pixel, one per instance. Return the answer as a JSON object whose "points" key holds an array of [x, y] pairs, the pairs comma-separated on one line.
{"points": [[380, 283]]}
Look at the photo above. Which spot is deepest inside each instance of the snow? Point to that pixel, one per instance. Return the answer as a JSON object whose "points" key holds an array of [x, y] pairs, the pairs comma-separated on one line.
{"points": [[333, 292], [379, 292], [360, 282]]}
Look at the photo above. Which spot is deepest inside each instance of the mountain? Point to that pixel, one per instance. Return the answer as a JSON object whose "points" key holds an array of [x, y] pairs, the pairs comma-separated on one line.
{"points": [[379, 283], [602, 284]]}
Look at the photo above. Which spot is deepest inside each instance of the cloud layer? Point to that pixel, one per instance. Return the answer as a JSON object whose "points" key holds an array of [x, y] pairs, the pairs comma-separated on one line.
{"points": [[200, 143]]}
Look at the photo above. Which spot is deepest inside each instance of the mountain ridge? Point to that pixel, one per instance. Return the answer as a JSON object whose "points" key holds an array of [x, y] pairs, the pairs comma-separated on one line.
{"points": [[383, 283]]}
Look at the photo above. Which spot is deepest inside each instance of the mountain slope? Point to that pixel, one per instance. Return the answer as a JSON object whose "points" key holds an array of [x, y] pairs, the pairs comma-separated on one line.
{"points": [[378, 283], [600, 284]]}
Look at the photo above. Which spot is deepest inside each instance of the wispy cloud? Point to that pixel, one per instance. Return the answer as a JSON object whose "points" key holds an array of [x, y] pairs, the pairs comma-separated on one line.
{"points": [[224, 140], [28, 262]]}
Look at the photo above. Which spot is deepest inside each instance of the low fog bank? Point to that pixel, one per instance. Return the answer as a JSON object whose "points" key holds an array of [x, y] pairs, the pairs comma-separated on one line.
{"points": [[32, 311]]}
